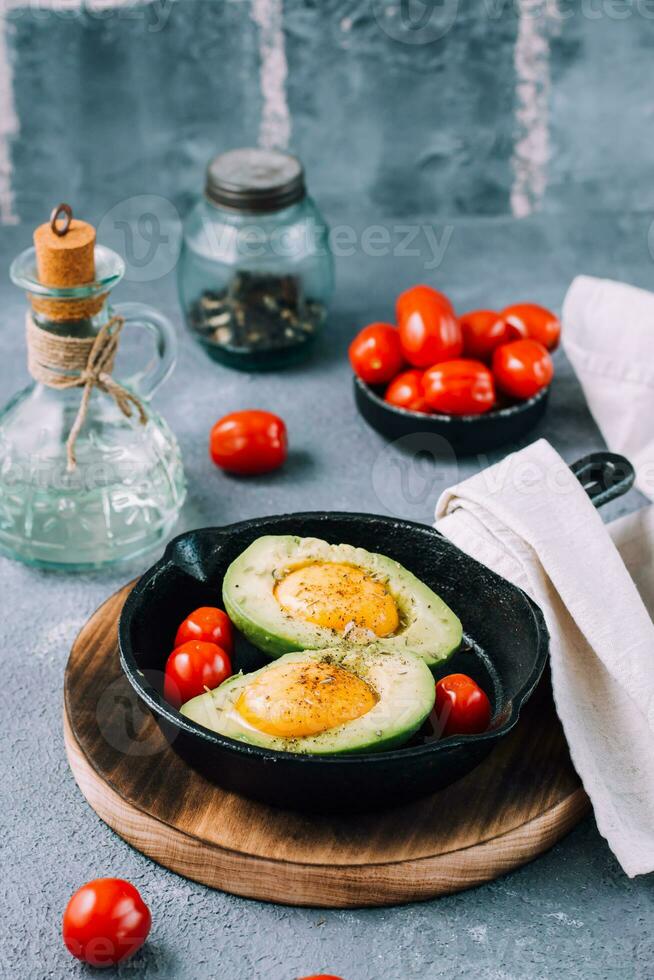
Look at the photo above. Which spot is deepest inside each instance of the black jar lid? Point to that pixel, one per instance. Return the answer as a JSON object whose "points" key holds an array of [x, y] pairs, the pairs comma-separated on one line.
{"points": [[255, 180]]}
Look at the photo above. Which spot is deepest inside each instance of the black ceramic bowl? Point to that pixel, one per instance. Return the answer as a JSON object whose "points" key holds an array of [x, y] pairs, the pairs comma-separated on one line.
{"points": [[505, 650], [464, 433]]}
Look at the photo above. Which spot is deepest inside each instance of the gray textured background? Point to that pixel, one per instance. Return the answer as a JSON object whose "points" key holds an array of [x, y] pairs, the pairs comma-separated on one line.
{"points": [[542, 117], [514, 104]]}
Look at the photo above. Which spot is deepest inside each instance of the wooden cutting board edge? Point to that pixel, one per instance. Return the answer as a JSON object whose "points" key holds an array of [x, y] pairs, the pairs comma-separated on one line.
{"points": [[320, 886]]}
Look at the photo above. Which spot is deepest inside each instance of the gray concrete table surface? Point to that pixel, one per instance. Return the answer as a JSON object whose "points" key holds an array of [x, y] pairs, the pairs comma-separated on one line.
{"points": [[572, 913]]}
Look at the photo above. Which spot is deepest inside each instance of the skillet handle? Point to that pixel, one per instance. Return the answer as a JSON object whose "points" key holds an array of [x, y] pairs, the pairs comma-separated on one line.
{"points": [[604, 476]]}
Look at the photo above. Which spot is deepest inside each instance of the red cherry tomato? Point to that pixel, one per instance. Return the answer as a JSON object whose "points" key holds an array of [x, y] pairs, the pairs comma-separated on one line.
{"points": [[193, 667], [522, 368], [420, 293], [462, 708], [535, 322], [459, 387], [483, 331], [429, 330], [105, 922], [249, 442], [405, 391], [375, 353], [209, 625], [321, 976]]}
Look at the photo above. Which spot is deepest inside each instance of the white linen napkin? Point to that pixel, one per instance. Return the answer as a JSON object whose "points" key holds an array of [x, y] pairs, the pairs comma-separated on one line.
{"points": [[608, 335], [529, 519]]}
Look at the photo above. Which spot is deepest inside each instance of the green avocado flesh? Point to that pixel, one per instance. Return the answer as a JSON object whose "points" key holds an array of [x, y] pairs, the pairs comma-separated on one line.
{"points": [[427, 628], [402, 684]]}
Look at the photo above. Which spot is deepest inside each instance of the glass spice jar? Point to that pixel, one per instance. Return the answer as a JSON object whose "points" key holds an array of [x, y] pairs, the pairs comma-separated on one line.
{"points": [[256, 271]]}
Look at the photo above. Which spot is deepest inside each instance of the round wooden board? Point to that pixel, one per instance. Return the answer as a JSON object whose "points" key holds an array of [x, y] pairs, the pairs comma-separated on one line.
{"points": [[522, 799]]}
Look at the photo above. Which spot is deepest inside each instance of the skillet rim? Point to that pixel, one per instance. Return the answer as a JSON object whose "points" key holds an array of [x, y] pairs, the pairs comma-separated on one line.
{"points": [[158, 706]]}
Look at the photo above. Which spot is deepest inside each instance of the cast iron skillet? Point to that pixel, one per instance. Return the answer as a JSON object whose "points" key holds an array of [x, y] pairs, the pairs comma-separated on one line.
{"points": [[464, 433], [505, 650]]}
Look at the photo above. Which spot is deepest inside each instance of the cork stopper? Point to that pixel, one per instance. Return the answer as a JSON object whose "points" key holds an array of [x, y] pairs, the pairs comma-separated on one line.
{"points": [[65, 258]]}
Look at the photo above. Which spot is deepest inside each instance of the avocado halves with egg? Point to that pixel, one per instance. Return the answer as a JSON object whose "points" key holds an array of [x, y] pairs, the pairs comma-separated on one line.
{"points": [[322, 702], [287, 593]]}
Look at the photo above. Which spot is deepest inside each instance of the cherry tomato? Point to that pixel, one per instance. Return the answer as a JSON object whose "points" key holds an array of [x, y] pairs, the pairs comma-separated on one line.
{"points": [[429, 330], [462, 708], [459, 387], [249, 442], [522, 368], [105, 922], [425, 293], [375, 353], [209, 625], [405, 391], [193, 667], [321, 976], [535, 322], [483, 331]]}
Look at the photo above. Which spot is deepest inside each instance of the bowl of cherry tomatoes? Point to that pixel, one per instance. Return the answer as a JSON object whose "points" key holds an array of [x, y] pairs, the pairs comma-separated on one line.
{"points": [[479, 380]]}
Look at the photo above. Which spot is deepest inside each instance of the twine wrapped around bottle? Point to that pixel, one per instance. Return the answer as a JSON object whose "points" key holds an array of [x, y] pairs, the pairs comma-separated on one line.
{"points": [[80, 362]]}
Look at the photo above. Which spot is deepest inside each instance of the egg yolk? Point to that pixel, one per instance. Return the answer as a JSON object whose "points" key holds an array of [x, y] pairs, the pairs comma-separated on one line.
{"points": [[334, 596], [303, 699]]}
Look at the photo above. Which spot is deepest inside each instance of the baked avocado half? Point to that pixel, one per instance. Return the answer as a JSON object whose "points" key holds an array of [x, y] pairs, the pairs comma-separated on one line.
{"points": [[287, 593], [322, 702]]}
